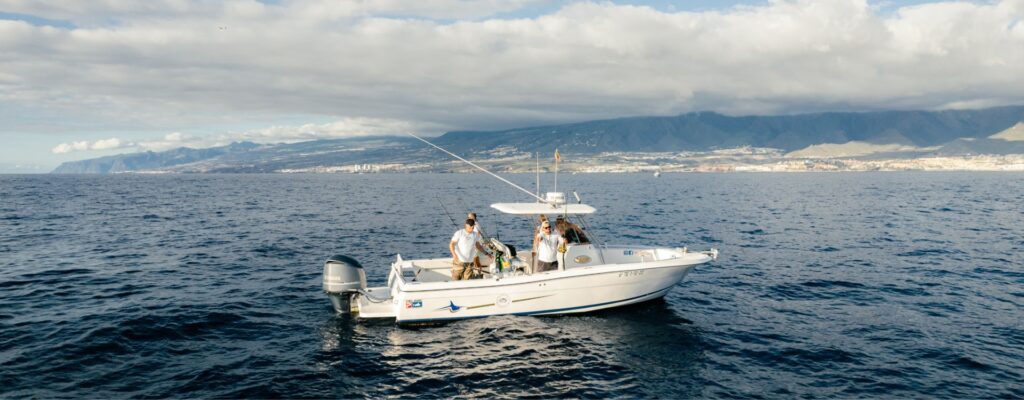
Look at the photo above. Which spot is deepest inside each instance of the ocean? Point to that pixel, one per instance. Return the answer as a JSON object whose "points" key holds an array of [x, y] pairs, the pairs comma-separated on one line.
{"points": [[833, 285]]}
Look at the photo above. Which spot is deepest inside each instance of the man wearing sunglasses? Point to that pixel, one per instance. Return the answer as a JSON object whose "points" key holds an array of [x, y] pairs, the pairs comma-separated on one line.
{"points": [[546, 245]]}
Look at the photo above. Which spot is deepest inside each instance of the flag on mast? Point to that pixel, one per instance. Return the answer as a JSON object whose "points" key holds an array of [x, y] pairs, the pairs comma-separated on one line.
{"points": [[558, 157]]}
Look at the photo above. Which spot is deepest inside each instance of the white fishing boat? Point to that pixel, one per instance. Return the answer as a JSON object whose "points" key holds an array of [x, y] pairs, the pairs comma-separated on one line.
{"points": [[590, 275]]}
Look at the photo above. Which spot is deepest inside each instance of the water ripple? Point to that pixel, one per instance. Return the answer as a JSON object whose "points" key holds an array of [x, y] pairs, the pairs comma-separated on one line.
{"points": [[829, 285]]}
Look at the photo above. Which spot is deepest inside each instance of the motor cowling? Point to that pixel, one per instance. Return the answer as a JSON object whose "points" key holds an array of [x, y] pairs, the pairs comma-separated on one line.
{"points": [[343, 278]]}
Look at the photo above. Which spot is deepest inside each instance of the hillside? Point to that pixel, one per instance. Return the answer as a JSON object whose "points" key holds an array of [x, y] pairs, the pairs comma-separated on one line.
{"points": [[706, 130], [898, 134]]}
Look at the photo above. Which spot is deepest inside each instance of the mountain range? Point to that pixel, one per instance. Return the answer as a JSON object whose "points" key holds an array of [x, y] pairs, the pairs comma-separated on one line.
{"points": [[905, 134]]}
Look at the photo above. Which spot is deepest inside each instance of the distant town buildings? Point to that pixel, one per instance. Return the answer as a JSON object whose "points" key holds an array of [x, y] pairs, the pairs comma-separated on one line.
{"points": [[743, 159]]}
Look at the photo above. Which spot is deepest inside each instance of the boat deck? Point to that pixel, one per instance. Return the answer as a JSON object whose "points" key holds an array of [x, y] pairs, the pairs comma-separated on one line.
{"points": [[439, 269]]}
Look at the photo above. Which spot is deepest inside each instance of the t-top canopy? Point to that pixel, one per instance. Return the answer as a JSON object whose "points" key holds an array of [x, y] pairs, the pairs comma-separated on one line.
{"points": [[542, 208]]}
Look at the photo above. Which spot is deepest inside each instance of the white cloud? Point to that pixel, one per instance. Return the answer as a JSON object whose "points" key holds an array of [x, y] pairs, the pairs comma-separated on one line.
{"points": [[169, 141], [102, 144], [70, 147], [176, 137], [182, 65], [106, 144], [348, 127], [100, 12]]}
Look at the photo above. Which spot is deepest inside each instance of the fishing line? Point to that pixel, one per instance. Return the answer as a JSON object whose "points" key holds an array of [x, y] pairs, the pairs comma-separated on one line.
{"points": [[478, 167], [446, 212]]}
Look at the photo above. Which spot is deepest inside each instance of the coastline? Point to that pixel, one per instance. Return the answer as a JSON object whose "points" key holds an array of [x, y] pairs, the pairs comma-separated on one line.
{"points": [[978, 163]]}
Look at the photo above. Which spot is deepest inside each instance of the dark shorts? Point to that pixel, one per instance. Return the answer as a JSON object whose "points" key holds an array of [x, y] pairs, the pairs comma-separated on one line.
{"points": [[546, 266]]}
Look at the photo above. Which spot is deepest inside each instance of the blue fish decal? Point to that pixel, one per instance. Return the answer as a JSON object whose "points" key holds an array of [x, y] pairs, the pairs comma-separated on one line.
{"points": [[451, 307]]}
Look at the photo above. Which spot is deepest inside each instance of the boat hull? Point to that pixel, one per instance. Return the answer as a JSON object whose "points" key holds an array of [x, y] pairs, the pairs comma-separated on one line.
{"points": [[546, 294]]}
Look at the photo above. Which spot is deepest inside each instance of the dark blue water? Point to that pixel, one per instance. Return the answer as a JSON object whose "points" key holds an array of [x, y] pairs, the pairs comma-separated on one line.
{"points": [[829, 285]]}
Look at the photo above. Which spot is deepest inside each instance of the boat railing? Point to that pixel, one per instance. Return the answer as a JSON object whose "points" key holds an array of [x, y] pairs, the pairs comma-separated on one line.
{"points": [[396, 273], [618, 254]]}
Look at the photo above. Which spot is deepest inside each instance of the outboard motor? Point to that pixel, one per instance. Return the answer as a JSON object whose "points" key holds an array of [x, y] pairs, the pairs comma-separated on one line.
{"points": [[344, 277]]}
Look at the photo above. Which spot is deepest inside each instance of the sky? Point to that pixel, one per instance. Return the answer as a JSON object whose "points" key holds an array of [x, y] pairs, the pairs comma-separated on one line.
{"points": [[83, 79]]}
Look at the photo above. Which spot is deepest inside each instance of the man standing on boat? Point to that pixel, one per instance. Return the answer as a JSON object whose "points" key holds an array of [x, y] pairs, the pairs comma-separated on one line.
{"points": [[546, 245], [464, 245], [476, 228]]}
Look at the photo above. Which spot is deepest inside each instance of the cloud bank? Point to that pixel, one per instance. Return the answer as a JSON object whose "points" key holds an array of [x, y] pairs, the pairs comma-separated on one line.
{"points": [[177, 65], [349, 127], [102, 144]]}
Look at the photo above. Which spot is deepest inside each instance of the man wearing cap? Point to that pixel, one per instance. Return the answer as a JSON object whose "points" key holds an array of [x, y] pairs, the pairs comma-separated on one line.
{"points": [[546, 245], [476, 228], [464, 245]]}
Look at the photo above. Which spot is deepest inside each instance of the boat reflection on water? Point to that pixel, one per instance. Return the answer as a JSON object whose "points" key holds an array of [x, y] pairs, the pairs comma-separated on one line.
{"points": [[608, 353]]}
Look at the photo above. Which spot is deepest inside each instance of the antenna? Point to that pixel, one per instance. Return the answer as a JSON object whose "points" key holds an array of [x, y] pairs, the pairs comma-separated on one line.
{"points": [[478, 167], [537, 155]]}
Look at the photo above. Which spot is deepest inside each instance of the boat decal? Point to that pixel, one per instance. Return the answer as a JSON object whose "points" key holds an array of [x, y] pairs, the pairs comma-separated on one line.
{"points": [[451, 307], [413, 303], [532, 298], [502, 301]]}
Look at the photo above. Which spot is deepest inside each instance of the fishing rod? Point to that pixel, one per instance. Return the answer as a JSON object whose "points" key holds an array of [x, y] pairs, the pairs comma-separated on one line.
{"points": [[446, 212], [541, 199]]}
